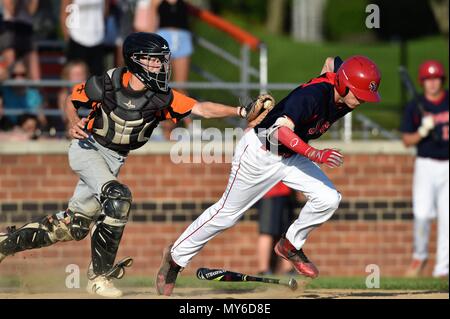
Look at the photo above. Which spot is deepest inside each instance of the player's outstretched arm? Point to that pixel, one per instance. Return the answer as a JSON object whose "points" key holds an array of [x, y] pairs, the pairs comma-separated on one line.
{"points": [[214, 110], [330, 157]]}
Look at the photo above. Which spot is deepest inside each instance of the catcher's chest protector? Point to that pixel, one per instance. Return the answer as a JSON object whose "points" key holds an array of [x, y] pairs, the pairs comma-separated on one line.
{"points": [[126, 119]]}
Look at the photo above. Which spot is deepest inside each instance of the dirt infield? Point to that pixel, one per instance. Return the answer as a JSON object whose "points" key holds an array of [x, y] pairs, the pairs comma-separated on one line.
{"points": [[208, 293], [54, 286]]}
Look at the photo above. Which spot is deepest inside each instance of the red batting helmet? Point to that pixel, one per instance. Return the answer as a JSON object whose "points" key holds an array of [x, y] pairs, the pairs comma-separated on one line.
{"points": [[361, 76], [431, 69]]}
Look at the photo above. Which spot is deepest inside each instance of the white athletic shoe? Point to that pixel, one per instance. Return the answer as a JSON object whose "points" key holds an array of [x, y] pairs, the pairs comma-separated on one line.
{"points": [[104, 287]]}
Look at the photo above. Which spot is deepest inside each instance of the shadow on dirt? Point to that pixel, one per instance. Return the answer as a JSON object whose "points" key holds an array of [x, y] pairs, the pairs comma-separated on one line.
{"points": [[364, 294]]}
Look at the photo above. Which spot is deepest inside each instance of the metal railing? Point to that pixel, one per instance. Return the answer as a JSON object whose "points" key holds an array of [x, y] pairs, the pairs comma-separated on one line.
{"points": [[247, 71], [369, 127], [239, 89], [247, 43]]}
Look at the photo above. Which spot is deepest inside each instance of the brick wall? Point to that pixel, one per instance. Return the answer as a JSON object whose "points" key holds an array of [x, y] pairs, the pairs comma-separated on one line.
{"points": [[372, 225], [34, 178]]}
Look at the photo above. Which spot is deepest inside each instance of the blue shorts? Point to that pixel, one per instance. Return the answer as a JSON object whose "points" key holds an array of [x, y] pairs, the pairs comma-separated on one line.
{"points": [[180, 42]]}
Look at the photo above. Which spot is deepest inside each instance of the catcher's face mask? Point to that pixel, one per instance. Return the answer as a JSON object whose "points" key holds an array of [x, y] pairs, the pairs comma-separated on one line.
{"points": [[154, 70]]}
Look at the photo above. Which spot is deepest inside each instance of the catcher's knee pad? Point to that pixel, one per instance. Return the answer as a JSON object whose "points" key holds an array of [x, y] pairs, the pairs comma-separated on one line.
{"points": [[116, 200], [45, 231], [106, 235]]}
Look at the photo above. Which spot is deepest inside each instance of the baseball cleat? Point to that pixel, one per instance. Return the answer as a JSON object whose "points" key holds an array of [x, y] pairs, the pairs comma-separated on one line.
{"points": [[104, 287], [298, 259], [167, 274], [415, 268]]}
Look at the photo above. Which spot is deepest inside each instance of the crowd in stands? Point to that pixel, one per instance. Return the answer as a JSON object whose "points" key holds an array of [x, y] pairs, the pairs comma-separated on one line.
{"points": [[86, 41]]}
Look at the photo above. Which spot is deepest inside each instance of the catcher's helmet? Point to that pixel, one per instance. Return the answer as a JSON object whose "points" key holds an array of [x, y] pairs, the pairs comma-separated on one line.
{"points": [[361, 76], [144, 45], [431, 69]]}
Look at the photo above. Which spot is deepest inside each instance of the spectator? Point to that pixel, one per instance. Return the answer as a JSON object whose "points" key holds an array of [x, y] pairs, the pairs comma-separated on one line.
{"points": [[44, 20], [28, 129], [141, 20], [17, 38], [29, 124], [5, 122], [21, 97], [169, 18], [75, 71], [84, 31], [3, 69], [428, 131], [275, 215], [120, 24]]}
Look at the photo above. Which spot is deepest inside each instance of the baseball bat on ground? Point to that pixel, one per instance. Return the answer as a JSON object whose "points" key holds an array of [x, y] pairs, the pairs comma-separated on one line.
{"points": [[225, 275]]}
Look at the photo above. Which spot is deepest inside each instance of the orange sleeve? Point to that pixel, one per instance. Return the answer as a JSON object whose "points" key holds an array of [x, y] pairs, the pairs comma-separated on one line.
{"points": [[79, 97], [126, 78], [181, 106], [182, 103]]}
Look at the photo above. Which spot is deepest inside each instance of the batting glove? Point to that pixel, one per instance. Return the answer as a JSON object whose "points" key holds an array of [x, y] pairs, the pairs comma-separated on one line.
{"points": [[426, 126], [330, 157]]}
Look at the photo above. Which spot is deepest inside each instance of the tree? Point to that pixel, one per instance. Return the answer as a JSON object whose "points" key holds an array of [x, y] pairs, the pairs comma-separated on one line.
{"points": [[276, 15], [201, 3], [307, 20], [440, 11]]}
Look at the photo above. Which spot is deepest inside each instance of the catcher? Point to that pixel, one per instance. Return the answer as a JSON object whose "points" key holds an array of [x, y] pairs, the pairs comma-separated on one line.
{"points": [[276, 149], [126, 105]]}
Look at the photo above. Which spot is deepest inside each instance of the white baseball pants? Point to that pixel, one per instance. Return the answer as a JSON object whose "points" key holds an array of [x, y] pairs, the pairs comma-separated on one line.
{"points": [[430, 200], [255, 171]]}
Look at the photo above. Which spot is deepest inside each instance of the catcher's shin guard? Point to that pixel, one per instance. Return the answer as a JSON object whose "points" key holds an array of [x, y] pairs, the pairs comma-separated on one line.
{"points": [[107, 233], [63, 226]]}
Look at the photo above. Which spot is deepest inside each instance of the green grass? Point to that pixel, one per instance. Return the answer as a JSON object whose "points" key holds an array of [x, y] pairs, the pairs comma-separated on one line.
{"points": [[350, 283], [385, 283], [319, 283], [296, 62]]}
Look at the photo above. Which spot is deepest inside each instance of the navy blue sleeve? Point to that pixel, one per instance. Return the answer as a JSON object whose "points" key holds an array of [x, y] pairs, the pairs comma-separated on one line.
{"points": [[411, 119], [298, 106], [337, 63]]}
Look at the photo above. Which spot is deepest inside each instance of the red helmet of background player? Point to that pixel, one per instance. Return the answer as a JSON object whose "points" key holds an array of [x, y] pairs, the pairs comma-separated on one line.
{"points": [[431, 69], [361, 76]]}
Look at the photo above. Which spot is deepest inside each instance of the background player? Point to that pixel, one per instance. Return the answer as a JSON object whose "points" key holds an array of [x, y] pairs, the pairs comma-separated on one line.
{"points": [[127, 104], [429, 133], [275, 213], [277, 150]]}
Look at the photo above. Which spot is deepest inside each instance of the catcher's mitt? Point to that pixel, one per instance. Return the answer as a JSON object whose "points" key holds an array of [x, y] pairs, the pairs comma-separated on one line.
{"points": [[255, 111]]}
